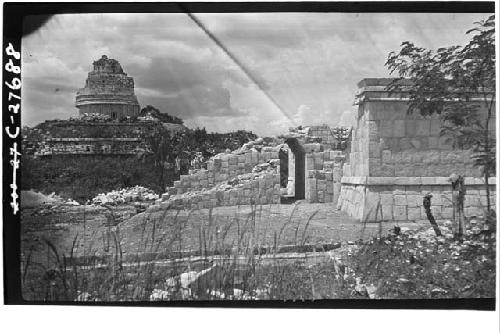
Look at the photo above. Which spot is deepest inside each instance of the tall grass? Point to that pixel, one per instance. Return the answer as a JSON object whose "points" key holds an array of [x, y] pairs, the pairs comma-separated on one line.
{"points": [[231, 258]]}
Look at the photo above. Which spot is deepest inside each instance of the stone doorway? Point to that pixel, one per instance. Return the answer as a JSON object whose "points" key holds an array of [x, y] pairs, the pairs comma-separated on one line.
{"points": [[295, 165]]}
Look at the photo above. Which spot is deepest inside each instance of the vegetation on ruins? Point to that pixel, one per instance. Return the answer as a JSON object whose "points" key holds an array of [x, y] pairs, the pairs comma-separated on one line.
{"points": [[195, 255], [83, 177], [458, 83], [163, 117]]}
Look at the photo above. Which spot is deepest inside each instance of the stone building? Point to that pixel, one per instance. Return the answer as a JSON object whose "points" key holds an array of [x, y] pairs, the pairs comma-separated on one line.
{"points": [[108, 90], [395, 158]]}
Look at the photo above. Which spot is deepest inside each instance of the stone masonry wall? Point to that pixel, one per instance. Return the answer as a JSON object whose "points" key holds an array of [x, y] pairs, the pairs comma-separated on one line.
{"points": [[324, 132], [255, 189], [249, 175], [222, 168], [91, 146], [404, 202], [323, 173], [396, 158]]}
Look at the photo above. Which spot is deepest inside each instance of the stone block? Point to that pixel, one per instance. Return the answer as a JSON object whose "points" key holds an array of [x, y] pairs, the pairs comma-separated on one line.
{"points": [[386, 199], [423, 127], [446, 200], [416, 143], [410, 128], [248, 158], [329, 187], [433, 142], [399, 213], [372, 130], [386, 212], [435, 128], [374, 150], [473, 211], [435, 210], [414, 200], [447, 213], [385, 128], [405, 144], [399, 128], [400, 200], [474, 200], [414, 214]]}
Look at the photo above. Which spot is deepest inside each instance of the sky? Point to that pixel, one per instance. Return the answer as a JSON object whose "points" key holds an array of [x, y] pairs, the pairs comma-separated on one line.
{"points": [[303, 67]]}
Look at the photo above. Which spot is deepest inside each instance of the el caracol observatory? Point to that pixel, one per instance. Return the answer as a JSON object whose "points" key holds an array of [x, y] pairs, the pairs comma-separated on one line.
{"points": [[108, 90]]}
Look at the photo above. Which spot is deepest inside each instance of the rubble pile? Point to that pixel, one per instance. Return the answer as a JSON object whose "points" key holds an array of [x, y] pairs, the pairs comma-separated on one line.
{"points": [[304, 134], [332, 137], [266, 144], [30, 199], [415, 250], [131, 194], [148, 117], [45, 204]]}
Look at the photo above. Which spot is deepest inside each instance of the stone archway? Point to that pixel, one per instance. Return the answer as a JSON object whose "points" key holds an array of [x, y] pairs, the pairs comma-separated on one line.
{"points": [[296, 167]]}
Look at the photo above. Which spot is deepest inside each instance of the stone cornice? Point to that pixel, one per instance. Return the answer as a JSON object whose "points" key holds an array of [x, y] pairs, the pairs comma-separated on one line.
{"points": [[384, 181]]}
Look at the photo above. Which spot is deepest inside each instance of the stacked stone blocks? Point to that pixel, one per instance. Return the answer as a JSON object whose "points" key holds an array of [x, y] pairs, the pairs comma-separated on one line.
{"points": [[323, 174], [229, 180], [263, 190], [396, 158]]}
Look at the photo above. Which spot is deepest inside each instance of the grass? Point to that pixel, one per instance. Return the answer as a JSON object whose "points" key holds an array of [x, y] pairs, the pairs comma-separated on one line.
{"points": [[231, 259]]}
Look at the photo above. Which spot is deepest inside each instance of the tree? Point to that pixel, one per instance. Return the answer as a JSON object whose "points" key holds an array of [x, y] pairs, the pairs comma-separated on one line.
{"points": [[160, 143], [458, 83]]}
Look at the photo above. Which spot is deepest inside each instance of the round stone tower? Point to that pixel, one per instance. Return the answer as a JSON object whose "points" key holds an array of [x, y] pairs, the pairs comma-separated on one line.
{"points": [[108, 90]]}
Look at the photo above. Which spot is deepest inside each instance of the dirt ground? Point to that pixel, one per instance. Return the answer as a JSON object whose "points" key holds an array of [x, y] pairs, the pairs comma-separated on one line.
{"points": [[85, 231]]}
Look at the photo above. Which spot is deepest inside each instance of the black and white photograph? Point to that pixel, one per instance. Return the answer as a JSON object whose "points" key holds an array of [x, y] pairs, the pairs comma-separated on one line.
{"points": [[240, 155]]}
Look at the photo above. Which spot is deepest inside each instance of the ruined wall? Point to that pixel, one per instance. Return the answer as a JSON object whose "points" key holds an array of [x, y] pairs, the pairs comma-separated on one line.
{"points": [[66, 137], [248, 175], [324, 132], [323, 174], [396, 158], [222, 168], [252, 175], [253, 189], [91, 146]]}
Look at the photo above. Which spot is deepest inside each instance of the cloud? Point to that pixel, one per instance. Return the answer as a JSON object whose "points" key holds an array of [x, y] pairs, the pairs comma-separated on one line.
{"points": [[309, 63]]}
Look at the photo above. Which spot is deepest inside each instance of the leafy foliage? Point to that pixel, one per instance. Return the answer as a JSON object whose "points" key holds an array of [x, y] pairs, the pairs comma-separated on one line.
{"points": [[83, 177], [458, 83], [163, 117]]}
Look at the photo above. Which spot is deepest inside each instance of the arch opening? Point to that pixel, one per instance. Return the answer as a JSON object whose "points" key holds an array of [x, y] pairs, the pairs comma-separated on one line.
{"points": [[292, 161]]}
